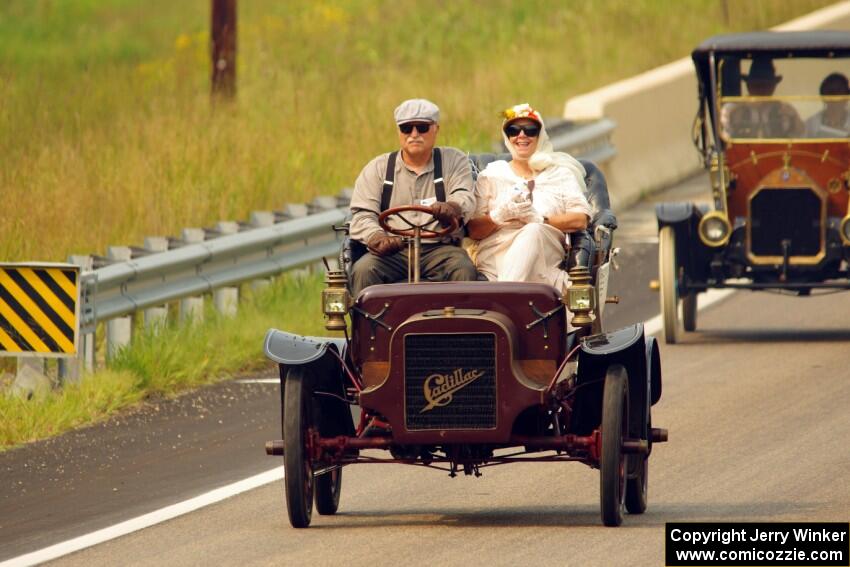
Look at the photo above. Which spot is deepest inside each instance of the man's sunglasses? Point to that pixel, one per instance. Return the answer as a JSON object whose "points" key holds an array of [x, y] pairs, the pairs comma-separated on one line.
{"points": [[530, 130], [421, 127]]}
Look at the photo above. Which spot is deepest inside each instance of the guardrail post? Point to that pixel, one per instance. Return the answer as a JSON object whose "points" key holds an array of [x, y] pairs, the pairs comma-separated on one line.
{"points": [[70, 370], [343, 198], [31, 376], [156, 317], [261, 219], [296, 211], [118, 330], [226, 299], [192, 308], [319, 204]]}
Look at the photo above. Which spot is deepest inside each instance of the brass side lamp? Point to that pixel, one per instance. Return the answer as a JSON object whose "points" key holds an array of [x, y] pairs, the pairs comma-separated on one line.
{"points": [[580, 297], [335, 300]]}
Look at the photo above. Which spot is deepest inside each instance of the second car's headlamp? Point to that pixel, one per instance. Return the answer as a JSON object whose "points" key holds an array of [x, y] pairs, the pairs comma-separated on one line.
{"points": [[714, 229], [844, 229]]}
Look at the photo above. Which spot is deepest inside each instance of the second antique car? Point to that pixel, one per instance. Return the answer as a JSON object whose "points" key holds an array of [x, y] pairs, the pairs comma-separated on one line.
{"points": [[461, 376], [773, 129]]}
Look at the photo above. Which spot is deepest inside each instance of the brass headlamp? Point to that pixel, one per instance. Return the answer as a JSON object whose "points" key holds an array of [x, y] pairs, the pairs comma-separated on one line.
{"points": [[581, 299], [335, 300], [844, 229], [714, 229]]}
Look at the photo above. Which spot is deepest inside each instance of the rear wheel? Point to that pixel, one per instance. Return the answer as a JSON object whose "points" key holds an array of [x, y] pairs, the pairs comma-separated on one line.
{"points": [[612, 462], [637, 485], [328, 487], [297, 419], [689, 311], [667, 278]]}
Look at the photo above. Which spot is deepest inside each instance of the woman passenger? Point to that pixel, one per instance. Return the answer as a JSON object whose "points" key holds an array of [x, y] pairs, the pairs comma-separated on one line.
{"points": [[834, 120], [527, 206]]}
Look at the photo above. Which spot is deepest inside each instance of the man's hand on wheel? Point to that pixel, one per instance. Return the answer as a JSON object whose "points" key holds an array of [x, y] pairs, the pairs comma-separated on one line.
{"points": [[446, 212], [382, 244]]}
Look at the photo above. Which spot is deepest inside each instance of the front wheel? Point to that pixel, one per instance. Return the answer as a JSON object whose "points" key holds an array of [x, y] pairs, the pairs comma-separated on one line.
{"points": [[667, 278], [298, 471], [612, 462]]}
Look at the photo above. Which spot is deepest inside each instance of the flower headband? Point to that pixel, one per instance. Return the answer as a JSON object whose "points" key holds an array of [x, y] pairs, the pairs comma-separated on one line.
{"points": [[521, 111]]}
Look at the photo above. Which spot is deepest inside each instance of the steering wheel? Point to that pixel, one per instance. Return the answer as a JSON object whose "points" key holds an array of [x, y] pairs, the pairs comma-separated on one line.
{"points": [[423, 232]]}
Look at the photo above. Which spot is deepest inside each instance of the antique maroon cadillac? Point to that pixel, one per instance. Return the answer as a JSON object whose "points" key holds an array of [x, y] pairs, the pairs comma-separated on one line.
{"points": [[467, 375]]}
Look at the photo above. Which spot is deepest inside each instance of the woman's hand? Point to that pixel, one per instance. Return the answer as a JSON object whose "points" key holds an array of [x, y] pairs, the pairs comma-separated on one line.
{"points": [[515, 208]]}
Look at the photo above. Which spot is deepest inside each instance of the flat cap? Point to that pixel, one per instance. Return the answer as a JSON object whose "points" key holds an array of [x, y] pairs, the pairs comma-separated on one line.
{"points": [[417, 110]]}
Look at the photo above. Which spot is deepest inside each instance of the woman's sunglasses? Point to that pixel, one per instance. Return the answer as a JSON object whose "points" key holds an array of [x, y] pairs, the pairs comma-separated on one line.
{"points": [[421, 127], [530, 130]]}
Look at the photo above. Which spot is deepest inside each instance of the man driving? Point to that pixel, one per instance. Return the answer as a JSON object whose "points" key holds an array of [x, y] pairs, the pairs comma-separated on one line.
{"points": [[416, 174], [761, 118]]}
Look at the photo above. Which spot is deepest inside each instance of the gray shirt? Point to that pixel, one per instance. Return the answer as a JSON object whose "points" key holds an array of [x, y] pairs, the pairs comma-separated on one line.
{"points": [[409, 188]]}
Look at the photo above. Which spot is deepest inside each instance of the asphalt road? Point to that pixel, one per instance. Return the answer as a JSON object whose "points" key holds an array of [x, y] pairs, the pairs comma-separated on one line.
{"points": [[755, 403]]}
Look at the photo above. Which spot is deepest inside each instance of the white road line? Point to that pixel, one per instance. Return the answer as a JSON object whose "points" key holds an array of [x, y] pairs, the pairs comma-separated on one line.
{"points": [[145, 521], [259, 381], [650, 326]]}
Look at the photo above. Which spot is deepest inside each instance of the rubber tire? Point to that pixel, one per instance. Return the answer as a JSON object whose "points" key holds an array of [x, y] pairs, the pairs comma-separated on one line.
{"points": [[667, 276], [637, 487], [612, 462], [689, 311], [298, 477], [327, 490]]}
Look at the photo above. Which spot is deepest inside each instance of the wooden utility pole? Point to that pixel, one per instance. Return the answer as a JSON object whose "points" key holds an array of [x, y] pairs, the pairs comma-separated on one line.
{"points": [[223, 38]]}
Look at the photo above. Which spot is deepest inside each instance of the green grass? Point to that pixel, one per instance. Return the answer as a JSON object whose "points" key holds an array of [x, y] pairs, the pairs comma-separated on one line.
{"points": [[177, 358], [108, 135]]}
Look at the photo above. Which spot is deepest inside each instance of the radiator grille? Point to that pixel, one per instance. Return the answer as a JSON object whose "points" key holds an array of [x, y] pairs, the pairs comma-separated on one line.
{"points": [[450, 381], [785, 214]]}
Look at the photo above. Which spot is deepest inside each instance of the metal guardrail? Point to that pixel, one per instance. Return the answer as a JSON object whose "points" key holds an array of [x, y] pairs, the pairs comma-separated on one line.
{"points": [[591, 141], [299, 236], [126, 287]]}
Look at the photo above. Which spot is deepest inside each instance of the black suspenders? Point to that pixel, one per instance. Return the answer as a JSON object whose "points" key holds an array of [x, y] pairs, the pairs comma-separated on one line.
{"points": [[439, 186], [389, 179]]}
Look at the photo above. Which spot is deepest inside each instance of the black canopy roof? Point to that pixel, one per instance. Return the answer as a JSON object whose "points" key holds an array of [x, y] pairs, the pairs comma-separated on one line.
{"points": [[820, 43], [779, 45]]}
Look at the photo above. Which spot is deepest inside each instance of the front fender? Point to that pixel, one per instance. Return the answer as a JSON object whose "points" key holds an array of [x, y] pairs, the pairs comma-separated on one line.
{"points": [[324, 375], [653, 369], [628, 347], [691, 253], [676, 213], [294, 350]]}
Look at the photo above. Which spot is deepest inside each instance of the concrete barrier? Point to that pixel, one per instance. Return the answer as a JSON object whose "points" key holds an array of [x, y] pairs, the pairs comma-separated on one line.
{"points": [[654, 112]]}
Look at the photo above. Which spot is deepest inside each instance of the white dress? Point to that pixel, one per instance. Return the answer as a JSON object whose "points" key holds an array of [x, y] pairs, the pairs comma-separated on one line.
{"points": [[529, 252]]}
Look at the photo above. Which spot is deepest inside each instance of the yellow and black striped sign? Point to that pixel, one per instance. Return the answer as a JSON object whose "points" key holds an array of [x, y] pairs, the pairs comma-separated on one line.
{"points": [[39, 312]]}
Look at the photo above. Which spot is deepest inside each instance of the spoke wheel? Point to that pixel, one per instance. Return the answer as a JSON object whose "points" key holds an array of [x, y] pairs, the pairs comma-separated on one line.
{"points": [[298, 471], [667, 276], [689, 311], [328, 487], [612, 462]]}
